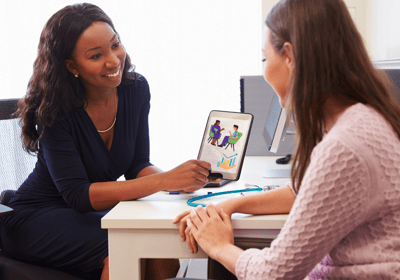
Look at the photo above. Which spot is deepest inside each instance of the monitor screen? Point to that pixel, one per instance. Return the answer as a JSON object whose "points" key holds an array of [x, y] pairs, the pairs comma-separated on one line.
{"points": [[274, 132], [275, 125]]}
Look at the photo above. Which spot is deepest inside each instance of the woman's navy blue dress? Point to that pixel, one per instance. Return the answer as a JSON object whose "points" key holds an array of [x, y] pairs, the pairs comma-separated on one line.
{"points": [[54, 223]]}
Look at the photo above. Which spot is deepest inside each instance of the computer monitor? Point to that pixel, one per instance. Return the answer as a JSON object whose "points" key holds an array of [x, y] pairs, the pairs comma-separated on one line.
{"points": [[275, 125], [274, 132]]}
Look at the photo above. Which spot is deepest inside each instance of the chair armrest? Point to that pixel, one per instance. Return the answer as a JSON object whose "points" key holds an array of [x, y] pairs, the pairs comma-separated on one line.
{"points": [[5, 211]]}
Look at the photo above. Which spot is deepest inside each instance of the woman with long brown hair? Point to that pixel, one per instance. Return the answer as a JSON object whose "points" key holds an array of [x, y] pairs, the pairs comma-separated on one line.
{"points": [[85, 114], [344, 199]]}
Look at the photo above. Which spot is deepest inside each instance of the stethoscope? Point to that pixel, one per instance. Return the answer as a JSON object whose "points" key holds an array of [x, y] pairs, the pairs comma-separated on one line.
{"points": [[249, 188]]}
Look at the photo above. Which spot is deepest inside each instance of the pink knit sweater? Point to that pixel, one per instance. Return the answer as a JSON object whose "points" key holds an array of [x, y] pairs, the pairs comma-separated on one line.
{"points": [[347, 212]]}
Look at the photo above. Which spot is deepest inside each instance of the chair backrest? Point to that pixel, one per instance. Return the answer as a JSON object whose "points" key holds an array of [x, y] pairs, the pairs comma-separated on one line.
{"points": [[5, 196], [15, 163]]}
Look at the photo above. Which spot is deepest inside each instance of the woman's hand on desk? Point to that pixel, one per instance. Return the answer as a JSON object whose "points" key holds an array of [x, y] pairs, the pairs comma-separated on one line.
{"points": [[213, 231], [189, 176], [211, 228], [184, 231]]}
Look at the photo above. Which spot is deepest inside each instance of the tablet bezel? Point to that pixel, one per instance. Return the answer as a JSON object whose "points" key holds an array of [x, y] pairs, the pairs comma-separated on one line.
{"points": [[230, 115]]}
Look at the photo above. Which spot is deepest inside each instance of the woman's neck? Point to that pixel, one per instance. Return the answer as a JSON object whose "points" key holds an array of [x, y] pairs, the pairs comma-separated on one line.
{"points": [[100, 97]]}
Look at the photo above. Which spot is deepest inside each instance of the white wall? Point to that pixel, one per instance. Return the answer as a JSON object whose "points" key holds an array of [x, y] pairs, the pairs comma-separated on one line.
{"points": [[358, 10], [383, 29], [377, 21]]}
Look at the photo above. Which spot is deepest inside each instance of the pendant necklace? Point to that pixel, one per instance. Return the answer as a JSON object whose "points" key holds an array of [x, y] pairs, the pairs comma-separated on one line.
{"points": [[115, 118]]}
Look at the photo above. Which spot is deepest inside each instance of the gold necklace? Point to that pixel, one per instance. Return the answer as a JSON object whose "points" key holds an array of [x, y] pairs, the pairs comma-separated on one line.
{"points": [[115, 118]]}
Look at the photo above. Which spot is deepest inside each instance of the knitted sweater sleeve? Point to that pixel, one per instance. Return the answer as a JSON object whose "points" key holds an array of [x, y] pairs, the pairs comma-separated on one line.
{"points": [[329, 205]]}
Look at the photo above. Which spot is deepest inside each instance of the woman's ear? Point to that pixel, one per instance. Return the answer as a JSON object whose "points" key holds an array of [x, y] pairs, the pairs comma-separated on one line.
{"points": [[71, 67], [289, 54]]}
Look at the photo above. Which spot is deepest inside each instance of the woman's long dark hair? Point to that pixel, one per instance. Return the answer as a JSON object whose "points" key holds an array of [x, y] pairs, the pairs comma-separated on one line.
{"points": [[331, 61], [52, 90]]}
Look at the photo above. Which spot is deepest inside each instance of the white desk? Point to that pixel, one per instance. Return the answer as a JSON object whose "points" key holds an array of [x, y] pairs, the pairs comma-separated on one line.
{"points": [[143, 228]]}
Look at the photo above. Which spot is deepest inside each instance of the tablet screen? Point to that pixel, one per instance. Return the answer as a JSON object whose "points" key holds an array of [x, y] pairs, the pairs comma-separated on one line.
{"points": [[224, 142]]}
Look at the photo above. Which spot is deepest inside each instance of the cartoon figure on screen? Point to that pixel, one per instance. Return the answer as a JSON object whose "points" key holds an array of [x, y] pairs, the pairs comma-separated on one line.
{"points": [[231, 140], [215, 132], [227, 162]]}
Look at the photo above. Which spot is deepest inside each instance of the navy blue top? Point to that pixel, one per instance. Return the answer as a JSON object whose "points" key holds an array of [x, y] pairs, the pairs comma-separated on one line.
{"points": [[73, 155]]}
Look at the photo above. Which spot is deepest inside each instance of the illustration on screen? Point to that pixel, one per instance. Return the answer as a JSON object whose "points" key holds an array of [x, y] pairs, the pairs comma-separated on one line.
{"points": [[227, 162]]}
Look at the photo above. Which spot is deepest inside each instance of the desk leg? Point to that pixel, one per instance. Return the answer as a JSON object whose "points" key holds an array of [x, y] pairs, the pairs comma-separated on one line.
{"points": [[127, 246], [122, 261]]}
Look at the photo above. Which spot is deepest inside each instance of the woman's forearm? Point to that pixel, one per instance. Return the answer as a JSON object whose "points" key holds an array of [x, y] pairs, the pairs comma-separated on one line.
{"points": [[228, 256], [191, 175], [149, 170], [104, 195], [278, 201]]}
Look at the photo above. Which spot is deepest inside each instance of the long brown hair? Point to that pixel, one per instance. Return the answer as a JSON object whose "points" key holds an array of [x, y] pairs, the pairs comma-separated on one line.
{"points": [[331, 61], [52, 90]]}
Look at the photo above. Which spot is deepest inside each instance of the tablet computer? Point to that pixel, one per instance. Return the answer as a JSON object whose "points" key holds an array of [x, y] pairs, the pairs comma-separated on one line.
{"points": [[224, 143]]}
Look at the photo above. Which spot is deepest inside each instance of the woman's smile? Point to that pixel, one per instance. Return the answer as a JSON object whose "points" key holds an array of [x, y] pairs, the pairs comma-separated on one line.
{"points": [[114, 74]]}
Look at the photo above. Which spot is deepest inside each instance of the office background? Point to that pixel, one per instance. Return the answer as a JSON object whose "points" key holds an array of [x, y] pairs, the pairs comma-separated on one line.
{"points": [[192, 52]]}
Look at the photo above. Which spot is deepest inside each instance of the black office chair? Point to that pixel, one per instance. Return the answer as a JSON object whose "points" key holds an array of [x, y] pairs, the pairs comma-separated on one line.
{"points": [[15, 166]]}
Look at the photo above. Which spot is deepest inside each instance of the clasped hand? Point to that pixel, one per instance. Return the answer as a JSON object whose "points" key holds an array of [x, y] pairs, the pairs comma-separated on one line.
{"points": [[211, 228]]}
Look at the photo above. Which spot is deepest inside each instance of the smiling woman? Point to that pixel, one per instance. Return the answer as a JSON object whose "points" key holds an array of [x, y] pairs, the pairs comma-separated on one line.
{"points": [[85, 114], [99, 62]]}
